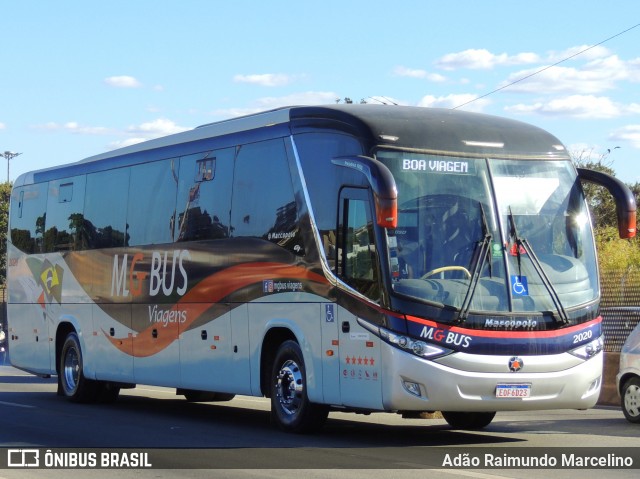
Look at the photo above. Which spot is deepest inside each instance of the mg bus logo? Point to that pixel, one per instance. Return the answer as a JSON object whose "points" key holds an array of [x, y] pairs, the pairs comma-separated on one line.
{"points": [[166, 272], [515, 364]]}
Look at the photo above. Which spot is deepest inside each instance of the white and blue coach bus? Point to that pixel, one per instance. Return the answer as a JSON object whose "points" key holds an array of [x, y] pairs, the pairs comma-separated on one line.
{"points": [[349, 257]]}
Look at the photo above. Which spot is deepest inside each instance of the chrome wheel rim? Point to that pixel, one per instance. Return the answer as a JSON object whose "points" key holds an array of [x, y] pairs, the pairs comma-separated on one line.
{"points": [[290, 387], [71, 369]]}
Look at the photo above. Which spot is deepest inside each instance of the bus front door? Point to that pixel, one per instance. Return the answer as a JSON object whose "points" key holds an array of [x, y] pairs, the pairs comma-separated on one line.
{"points": [[359, 349]]}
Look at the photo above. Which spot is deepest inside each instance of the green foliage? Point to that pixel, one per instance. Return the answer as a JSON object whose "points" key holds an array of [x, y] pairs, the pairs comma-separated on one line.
{"points": [[614, 253], [619, 260], [601, 203]]}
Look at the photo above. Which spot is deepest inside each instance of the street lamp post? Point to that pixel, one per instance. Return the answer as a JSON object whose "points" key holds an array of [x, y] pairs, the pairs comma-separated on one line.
{"points": [[9, 155]]}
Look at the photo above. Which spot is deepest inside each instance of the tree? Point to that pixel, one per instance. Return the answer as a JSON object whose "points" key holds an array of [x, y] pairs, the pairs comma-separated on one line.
{"points": [[600, 201], [619, 260]]}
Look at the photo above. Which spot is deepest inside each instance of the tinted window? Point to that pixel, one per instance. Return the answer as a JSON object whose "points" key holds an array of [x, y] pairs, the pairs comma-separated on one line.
{"points": [[152, 200], [66, 229], [325, 179], [106, 208], [28, 213], [204, 195], [357, 250], [263, 199]]}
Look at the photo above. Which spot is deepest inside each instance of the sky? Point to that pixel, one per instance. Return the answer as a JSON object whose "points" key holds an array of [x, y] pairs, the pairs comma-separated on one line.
{"points": [[81, 78]]}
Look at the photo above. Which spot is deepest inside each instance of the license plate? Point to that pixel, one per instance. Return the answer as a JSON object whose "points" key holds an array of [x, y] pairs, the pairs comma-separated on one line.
{"points": [[513, 390]]}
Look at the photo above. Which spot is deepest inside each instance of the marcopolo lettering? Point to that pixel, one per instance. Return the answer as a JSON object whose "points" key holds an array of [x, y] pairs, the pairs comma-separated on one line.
{"points": [[166, 273], [526, 324]]}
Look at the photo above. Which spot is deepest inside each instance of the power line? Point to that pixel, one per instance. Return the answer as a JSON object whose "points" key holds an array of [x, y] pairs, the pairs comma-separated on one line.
{"points": [[547, 67]]}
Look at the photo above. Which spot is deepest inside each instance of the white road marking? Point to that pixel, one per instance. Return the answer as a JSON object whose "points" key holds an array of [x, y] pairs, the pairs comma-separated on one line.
{"points": [[15, 404]]}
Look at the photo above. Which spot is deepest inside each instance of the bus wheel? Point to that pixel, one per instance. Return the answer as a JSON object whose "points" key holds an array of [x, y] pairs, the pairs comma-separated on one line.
{"points": [[291, 409], [631, 400], [468, 420], [73, 384]]}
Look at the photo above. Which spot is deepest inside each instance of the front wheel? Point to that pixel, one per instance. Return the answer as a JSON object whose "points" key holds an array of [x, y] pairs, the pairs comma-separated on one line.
{"points": [[71, 378], [291, 409], [631, 400], [468, 420]]}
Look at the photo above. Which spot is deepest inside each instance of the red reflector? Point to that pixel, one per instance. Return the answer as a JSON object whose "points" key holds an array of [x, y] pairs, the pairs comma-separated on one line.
{"points": [[369, 344]]}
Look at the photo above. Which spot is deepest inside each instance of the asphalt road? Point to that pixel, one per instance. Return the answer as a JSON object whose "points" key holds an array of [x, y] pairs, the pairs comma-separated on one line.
{"points": [[236, 439]]}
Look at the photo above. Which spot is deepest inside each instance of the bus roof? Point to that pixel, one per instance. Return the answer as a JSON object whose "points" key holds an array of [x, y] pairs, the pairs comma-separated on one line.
{"points": [[434, 130], [444, 131]]}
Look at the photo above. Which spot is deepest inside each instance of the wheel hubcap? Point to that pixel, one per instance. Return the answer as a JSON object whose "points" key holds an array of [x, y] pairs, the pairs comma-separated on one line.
{"points": [[71, 369], [632, 400], [289, 387]]}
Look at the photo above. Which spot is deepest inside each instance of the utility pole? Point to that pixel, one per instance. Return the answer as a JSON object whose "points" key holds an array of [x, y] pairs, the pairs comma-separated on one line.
{"points": [[9, 155]]}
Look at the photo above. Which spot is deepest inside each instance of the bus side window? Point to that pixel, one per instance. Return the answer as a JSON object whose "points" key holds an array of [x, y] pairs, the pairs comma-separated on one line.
{"points": [[263, 204], [66, 226], [152, 184], [323, 180], [105, 208], [357, 254], [204, 196], [28, 203]]}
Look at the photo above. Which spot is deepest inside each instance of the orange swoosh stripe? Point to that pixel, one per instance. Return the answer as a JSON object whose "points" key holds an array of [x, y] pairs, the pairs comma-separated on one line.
{"points": [[201, 297]]}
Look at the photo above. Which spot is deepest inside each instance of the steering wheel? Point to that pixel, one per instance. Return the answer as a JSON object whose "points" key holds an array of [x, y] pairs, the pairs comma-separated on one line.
{"points": [[447, 268]]}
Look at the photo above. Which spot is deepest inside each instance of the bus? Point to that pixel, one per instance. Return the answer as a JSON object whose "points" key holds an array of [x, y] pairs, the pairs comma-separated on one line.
{"points": [[361, 258]]}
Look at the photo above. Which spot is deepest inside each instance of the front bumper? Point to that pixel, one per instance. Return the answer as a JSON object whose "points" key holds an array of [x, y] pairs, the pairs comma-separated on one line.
{"points": [[556, 382]]}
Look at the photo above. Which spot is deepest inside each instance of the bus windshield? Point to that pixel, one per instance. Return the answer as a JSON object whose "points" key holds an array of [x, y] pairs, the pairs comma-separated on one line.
{"points": [[490, 235]]}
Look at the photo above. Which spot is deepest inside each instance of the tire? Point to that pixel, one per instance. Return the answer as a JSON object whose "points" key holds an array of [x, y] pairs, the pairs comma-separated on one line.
{"points": [[468, 420], [630, 400], [73, 385], [291, 409]]}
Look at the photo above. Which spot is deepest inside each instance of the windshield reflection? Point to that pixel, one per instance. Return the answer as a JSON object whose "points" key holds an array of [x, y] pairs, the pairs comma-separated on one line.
{"points": [[453, 245]]}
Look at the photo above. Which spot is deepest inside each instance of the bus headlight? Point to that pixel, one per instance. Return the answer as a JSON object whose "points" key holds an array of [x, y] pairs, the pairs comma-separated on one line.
{"points": [[589, 350], [405, 343], [417, 347]]}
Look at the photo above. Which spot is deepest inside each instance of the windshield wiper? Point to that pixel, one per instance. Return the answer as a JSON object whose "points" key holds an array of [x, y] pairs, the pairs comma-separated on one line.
{"points": [[479, 259], [535, 262]]}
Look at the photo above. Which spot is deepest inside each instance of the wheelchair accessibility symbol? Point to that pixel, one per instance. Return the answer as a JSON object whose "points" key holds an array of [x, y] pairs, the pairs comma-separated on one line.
{"points": [[519, 285], [328, 313]]}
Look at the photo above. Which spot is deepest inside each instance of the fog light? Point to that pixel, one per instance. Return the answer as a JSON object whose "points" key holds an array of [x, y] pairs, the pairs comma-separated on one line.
{"points": [[594, 387], [412, 388]]}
